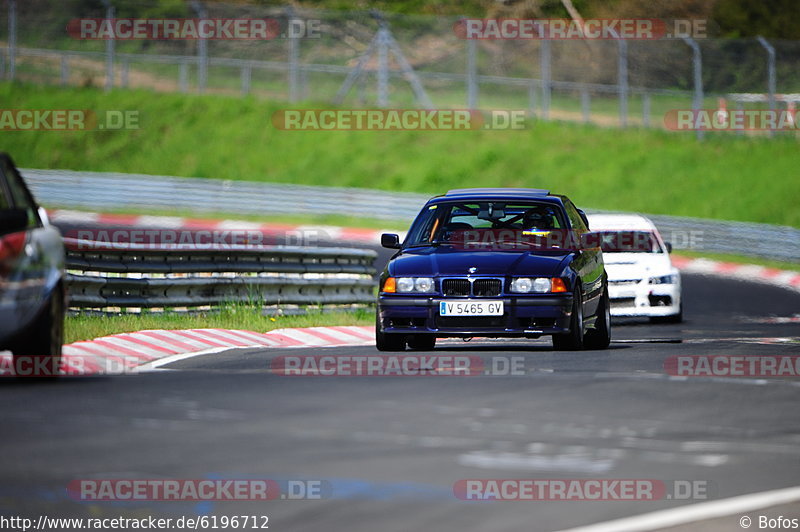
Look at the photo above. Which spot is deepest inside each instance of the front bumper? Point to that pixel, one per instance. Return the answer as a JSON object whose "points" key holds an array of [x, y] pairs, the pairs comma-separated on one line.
{"points": [[528, 316], [643, 299]]}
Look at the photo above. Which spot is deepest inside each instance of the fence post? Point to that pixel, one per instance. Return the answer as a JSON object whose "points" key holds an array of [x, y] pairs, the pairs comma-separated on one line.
{"points": [[585, 104], [646, 109], [697, 99], [544, 55], [246, 74], [770, 73], [293, 54], [64, 69], [202, 51], [383, 65], [109, 49], [472, 74], [532, 97], [622, 72], [183, 77], [12, 39], [126, 70]]}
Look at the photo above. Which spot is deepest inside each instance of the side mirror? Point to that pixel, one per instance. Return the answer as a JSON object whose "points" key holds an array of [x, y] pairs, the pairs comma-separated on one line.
{"points": [[13, 220], [669, 246], [390, 240]]}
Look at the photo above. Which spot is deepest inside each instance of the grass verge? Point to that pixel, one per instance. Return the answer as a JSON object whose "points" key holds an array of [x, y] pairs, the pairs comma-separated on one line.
{"points": [[651, 171], [87, 327], [740, 259]]}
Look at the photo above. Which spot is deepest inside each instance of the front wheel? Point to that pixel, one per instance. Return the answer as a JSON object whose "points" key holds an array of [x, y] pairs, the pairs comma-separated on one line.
{"points": [[600, 336], [388, 342], [43, 340], [573, 340]]}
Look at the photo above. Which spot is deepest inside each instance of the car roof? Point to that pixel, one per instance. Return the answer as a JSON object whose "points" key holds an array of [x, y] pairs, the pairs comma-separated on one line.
{"points": [[620, 222], [506, 194], [498, 191]]}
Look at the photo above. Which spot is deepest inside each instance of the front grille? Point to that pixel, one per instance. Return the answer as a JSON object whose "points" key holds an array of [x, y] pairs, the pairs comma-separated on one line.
{"points": [[476, 287], [455, 287], [486, 287]]}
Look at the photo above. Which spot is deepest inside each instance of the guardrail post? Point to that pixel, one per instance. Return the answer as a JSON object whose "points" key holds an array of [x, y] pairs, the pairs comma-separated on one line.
{"points": [[472, 74], [544, 57], [646, 109], [770, 73], [109, 49], [697, 67]]}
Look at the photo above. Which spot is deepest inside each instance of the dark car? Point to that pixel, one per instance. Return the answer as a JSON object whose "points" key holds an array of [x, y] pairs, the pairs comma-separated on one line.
{"points": [[31, 276], [495, 263]]}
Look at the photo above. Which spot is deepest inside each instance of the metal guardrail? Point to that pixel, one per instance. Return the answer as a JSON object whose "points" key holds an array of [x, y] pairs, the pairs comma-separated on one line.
{"points": [[102, 275], [94, 190]]}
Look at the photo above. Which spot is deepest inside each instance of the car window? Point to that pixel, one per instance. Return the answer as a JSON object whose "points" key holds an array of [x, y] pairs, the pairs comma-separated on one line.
{"points": [[574, 217], [439, 222], [19, 195]]}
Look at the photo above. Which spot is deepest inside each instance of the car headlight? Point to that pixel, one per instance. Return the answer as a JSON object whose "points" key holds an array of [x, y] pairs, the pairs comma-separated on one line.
{"points": [[414, 284], [423, 284], [664, 279], [527, 285]]}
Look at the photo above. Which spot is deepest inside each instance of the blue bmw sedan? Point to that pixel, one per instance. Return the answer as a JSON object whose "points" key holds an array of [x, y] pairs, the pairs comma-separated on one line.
{"points": [[495, 263]]}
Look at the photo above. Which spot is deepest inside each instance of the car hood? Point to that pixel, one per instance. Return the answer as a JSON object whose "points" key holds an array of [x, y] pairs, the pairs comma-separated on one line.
{"points": [[446, 261], [634, 266]]}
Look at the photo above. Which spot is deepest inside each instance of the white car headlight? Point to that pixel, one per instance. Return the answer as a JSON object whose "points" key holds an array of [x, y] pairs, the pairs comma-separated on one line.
{"points": [[526, 285], [414, 284], [405, 284], [522, 284], [423, 284]]}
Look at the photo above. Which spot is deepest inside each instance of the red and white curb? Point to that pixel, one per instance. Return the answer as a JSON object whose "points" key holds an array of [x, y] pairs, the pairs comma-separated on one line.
{"points": [[744, 272], [145, 350]]}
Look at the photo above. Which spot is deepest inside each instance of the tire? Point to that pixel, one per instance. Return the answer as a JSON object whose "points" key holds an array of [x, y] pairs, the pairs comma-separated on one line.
{"points": [[675, 318], [600, 336], [45, 336], [573, 340], [388, 342], [422, 342]]}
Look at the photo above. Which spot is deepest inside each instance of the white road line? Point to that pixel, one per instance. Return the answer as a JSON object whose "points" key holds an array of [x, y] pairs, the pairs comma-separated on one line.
{"points": [[695, 512], [156, 364]]}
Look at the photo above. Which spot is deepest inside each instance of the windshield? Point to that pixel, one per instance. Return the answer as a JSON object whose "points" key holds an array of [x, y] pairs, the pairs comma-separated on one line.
{"points": [[629, 242], [482, 223]]}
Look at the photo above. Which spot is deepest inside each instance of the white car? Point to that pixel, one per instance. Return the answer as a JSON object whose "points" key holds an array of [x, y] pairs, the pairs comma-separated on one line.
{"points": [[641, 278]]}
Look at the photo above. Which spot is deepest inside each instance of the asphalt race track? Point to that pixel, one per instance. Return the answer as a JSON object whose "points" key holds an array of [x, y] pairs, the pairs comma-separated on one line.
{"points": [[389, 449]]}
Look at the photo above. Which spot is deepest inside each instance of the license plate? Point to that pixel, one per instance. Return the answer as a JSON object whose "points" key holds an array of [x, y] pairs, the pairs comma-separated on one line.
{"points": [[471, 308]]}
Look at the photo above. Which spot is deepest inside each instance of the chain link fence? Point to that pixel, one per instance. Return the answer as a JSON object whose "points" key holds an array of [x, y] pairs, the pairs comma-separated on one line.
{"points": [[608, 82]]}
